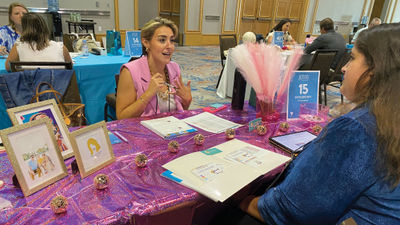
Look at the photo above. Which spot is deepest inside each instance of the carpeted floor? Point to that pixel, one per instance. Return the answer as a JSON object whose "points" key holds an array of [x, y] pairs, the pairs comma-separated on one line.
{"points": [[202, 65]]}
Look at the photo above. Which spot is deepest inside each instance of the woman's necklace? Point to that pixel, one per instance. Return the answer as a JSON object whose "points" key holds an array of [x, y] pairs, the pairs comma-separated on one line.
{"points": [[165, 94]]}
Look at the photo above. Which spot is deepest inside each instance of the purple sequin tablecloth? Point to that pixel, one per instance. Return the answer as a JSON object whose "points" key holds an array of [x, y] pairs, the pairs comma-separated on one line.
{"points": [[135, 195]]}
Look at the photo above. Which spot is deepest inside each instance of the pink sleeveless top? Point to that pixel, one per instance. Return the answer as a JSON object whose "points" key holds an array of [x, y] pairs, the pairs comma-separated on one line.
{"points": [[141, 77]]}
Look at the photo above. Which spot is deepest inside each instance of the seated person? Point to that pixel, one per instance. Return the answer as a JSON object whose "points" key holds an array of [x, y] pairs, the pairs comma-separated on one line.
{"points": [[34, 44], [11, 32], [153, 84], [284, 26], [249, 37], [329, 39], [375, 21], [351, 170]]}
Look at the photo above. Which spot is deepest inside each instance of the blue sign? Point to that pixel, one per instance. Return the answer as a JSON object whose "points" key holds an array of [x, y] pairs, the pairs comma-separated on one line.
{"points": [[278, 38], [303, 89], [133, 44]]}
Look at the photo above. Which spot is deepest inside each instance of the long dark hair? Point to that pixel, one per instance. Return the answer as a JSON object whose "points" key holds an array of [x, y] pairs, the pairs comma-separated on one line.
{"points": [[279, 26], [35, 31], [379, 86]]}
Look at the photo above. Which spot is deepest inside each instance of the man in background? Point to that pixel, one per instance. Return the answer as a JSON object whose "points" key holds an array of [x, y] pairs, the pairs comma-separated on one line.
{"points": [[375, 21], [329, 39]]}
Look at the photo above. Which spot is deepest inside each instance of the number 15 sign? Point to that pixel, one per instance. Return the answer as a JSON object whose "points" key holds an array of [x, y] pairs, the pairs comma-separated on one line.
{"points": [[303, 88]]}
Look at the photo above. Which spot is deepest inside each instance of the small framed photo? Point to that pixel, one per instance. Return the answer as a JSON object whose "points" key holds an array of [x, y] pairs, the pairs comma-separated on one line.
{"points": [[49, 109], [33, 152], [92, 148]]}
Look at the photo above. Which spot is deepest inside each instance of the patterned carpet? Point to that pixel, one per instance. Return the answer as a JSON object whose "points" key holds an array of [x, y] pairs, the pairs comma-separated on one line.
{"points": [[202, 65]]}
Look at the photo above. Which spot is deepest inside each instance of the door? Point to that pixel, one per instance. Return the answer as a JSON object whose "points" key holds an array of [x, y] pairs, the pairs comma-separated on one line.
{"points": [[256, 16], [170, 9]]}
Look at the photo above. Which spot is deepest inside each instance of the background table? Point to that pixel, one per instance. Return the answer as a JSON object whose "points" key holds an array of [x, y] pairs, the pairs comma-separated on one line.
{"points": [[96, 78], [138, 194]]}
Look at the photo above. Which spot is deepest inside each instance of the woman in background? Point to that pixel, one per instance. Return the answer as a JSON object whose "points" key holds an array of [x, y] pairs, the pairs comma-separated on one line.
{"points": [[283, 25], [34, 44], [11, 32], [153, 84]]}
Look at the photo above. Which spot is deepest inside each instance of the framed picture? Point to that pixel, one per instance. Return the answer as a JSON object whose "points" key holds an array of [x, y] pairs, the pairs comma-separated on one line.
{"points": [[92, 148], [33, 152], [49, 109]]}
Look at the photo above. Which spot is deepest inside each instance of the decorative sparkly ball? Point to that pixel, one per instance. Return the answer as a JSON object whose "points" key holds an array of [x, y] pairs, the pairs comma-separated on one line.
{"points": [[230, 133], [101, 181], [1, 183], [199, 139], [141, 160], [59, 204], [284, 126], [173, 146], [261, 130], [316, 129]]}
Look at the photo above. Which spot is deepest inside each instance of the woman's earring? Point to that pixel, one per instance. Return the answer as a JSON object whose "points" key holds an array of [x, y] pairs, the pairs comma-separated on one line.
{"points": [[147, 49]]}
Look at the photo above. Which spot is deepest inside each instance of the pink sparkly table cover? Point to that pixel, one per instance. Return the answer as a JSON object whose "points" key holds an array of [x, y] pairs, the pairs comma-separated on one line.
{"points": [[134, 193]]}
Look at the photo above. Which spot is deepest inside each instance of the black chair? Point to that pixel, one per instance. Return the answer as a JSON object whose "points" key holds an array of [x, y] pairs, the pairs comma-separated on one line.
{"points": [[19, 66], [336, 77], [322, 61], [226, 41], [111, 99]]}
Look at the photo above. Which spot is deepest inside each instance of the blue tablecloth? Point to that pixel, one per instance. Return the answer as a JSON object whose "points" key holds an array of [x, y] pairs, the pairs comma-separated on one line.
{"points": [[96, 79]]}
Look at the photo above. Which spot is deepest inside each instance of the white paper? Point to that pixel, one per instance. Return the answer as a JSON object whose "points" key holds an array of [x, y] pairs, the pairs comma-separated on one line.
{"points": [[168, 127], [221, 174], [4, 203], [210, 122]]}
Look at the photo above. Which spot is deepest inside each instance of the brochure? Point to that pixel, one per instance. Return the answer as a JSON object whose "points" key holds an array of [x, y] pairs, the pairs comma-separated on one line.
{"points": [[221, 171], [211, 123], [168, 127]]}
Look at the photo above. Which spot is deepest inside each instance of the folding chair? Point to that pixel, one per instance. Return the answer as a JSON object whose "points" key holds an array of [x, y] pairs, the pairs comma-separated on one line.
{"points": [[226, 41]]}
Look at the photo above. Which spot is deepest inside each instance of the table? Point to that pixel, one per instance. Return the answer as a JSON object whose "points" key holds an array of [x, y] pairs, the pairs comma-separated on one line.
{"points": [[96, 78], [225, 87], [135, 194]]}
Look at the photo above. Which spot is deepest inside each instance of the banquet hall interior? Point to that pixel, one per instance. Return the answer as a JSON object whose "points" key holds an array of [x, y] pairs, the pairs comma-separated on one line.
{"points": [[103, 39]]}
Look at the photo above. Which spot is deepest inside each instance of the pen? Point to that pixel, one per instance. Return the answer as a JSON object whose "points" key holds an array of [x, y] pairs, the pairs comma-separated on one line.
{"points": [[120, 136]]}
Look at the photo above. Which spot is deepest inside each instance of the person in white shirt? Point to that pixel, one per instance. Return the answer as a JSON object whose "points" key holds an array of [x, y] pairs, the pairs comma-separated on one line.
{"points": [[375, 21], [34, 44]]}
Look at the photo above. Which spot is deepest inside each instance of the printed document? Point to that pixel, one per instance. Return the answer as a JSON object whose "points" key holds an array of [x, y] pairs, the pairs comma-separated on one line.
{"points": [[211, 123]]}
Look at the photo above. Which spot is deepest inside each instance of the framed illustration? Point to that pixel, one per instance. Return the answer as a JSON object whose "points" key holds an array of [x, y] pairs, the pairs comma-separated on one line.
{"points": [[33, 152], [49, 109], [92, 148]]}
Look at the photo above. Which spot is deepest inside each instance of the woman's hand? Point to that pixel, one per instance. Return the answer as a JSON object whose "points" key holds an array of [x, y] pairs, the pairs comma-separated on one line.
{"points": [[3, 50], [156, 84], [184, 92]]}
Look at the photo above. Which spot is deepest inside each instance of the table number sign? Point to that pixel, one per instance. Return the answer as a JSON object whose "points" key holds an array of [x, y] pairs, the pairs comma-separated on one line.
{"points": [[278, 38], [303, 88], [133, 44]]}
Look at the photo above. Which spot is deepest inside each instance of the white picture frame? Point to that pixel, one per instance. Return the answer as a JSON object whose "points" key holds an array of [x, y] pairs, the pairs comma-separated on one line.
{"points": [[92, 148], [47, 108], [33, 152]]}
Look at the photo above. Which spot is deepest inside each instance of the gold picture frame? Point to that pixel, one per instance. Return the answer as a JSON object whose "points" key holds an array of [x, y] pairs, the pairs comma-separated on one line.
{"points": [[32, 150], [92, 148], [47, 108]]}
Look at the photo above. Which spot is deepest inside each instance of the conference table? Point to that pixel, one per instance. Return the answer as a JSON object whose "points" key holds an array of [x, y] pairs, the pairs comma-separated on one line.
{"points": [[137, 195], [96, 78]]}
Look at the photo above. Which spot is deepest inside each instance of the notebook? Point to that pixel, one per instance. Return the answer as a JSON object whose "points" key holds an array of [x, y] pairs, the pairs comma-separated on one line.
{"points": [[168, 127]]}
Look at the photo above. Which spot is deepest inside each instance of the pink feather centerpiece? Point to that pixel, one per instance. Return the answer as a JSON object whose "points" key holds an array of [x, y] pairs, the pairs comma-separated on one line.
{"points": [[264, 67]]}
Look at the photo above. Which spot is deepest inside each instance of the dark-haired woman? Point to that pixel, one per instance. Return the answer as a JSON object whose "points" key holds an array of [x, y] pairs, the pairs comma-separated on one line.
{"points": [[34, 44], [283, 25], [153, 84]]}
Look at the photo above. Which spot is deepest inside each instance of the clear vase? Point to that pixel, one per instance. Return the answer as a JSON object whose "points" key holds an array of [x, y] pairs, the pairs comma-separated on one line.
{"points": [[267, 110]]}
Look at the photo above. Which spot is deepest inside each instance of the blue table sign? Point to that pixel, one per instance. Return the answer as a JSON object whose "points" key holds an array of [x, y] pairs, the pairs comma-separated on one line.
{"points": [[133, 44], [303, 88], [278, 38]]}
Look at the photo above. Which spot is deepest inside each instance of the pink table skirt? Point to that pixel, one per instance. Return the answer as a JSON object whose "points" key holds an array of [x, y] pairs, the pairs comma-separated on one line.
{"points": [[134, 193]]}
